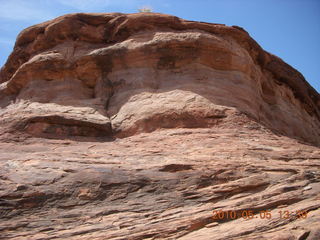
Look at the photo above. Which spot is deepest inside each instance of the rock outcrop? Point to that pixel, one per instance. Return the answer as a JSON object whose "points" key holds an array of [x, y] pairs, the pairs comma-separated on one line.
{"points": [[138, 126], [184, 74]]}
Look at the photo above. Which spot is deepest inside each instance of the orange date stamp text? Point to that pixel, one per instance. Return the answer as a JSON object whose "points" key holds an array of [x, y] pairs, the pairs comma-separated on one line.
{"points": [[250, 214]]}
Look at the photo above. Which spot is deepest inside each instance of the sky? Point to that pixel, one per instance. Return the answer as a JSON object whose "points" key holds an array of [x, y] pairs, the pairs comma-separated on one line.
{"points": [[289, 29]]}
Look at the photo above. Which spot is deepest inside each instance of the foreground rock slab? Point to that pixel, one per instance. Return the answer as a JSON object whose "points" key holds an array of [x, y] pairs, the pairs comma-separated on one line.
{"points": [[161, 185]]}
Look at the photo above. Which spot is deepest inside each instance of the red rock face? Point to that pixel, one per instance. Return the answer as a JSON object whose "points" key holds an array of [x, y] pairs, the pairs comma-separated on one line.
{"points": [[184, 74], [139, 126]]}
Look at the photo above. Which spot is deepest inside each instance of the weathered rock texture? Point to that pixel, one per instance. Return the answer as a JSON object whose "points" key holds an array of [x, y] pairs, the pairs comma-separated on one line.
{"points": [[138, 126], [140, 72]]}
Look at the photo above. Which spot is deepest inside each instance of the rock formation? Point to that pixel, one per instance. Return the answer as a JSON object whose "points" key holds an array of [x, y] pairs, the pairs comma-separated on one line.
{"points": [[139, 126]]}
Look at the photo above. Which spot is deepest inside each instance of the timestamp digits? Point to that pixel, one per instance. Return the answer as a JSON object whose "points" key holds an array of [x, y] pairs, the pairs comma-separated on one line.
{"points": [[250, 214]]}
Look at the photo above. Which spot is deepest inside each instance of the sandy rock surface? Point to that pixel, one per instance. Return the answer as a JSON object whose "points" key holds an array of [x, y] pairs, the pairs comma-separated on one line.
{"points": [[147, 126]]}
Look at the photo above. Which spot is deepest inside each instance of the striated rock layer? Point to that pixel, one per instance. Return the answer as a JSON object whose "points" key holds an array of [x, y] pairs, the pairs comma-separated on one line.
{"points": [[140, 72], [138, 126]]}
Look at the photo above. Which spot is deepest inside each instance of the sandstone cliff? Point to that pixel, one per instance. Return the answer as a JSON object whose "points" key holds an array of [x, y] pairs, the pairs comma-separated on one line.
{"points": [[115, 74], [136, 126]]}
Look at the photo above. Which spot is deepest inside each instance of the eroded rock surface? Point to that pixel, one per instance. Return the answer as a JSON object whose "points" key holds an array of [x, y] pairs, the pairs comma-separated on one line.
{"points": [[150, 71], [139, 126], [160, 185]]}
